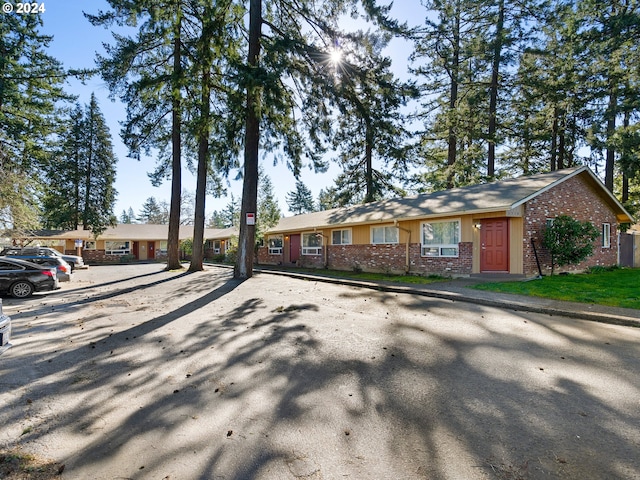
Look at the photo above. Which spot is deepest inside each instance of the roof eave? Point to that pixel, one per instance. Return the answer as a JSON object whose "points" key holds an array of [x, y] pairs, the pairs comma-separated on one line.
{"points": [[457, 213]]}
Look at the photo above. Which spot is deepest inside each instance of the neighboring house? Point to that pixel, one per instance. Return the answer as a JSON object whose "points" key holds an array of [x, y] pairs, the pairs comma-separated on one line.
{"points": [[490, 228], [132, 240]]}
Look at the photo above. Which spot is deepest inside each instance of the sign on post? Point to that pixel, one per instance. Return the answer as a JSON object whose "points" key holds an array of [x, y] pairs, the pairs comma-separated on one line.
{"points": [[251, 218]]}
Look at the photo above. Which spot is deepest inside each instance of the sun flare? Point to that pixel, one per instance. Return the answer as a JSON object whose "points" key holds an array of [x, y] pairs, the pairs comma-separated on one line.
{"points": [[336, 56]]}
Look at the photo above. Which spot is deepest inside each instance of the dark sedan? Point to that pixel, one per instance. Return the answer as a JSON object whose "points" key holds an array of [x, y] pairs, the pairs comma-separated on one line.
{"points": [[20, 279]]}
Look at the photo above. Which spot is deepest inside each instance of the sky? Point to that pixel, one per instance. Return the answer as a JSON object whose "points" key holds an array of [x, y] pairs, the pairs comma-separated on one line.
{"points": [[76, 42]]}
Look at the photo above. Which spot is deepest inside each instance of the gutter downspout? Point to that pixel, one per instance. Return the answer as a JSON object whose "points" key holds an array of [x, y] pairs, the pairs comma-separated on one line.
{"points": [[325, 246], [406, 265]]}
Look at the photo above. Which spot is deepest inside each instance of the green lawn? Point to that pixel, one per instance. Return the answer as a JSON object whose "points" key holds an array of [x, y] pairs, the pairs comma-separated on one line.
{"points": [[619, 287], [614, 288]]}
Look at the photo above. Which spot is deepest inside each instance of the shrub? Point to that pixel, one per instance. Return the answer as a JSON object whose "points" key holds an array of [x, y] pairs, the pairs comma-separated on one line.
{"points": [[569, 241]]}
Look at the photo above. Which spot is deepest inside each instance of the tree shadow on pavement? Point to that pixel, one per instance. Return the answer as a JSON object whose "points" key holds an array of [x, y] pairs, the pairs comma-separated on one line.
{"points": [[304, 381]]}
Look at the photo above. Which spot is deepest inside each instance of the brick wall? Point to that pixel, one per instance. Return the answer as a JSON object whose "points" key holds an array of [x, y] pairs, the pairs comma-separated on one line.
{"points": [[381, 258], [99, 257], [579, 201]]}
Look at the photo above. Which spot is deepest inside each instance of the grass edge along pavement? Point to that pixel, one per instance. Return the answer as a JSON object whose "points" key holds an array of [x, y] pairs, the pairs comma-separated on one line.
{"points": [[611, 287], [616, 287]]}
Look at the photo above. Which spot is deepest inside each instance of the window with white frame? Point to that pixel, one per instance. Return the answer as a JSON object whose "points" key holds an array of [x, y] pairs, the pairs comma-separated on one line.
{"points": [[89, 244], [440, 239], [275, 245], [381, 235], [341, 237], [311, 244], [164, 247], [117, 247], [216, 247], [606, 235]]}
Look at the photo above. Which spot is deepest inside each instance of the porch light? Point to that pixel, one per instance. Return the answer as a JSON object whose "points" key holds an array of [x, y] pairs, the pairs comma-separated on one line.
{"points": [[477, 225]]}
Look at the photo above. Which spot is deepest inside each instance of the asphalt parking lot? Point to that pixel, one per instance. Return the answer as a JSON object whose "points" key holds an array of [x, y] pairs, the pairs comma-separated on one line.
{"points": [[132, 372]]}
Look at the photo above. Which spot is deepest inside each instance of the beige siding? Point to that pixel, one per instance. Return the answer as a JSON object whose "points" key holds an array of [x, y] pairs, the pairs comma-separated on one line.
{"points": [[516, 249]]}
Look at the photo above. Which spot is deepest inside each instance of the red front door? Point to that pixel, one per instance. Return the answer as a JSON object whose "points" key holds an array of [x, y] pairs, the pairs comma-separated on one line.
{"points": [[294, 248], [494, 239], [151, 253]]}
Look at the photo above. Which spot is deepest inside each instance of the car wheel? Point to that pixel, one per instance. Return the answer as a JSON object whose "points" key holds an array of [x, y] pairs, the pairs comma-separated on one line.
{"points": [[21, 289]]}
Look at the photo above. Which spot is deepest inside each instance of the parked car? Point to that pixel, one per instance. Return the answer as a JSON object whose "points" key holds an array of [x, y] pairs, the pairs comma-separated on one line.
{"points": [[73, 260], [20, 278], [63, 269], [5, 330]]}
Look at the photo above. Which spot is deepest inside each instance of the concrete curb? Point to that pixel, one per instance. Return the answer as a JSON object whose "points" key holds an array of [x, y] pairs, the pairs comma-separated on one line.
{"points": [[623, 317]]}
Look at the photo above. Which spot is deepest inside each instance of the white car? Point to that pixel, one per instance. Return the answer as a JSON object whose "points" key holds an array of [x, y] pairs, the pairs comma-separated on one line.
{"points": [[5, 330]]}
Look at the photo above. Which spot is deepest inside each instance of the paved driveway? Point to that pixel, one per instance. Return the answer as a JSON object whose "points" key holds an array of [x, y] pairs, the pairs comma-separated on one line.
{"points": [[132, 372]]}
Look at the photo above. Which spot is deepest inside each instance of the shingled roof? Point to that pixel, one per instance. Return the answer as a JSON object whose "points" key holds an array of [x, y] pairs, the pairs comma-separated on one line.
{"points": [[137, 231], [497, 196]]}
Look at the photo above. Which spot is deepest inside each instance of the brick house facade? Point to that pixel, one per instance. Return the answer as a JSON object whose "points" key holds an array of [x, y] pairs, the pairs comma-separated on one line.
{"points": [[499, 229]]}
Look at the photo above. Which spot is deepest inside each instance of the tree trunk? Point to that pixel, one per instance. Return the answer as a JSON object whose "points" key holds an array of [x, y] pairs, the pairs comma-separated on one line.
{"points": [[203, 149], [625, 177], [493, 99], [611, 128], [369, 165], [554, 138], [453, 100], [246, 241], [173, 240], [89, 167]]}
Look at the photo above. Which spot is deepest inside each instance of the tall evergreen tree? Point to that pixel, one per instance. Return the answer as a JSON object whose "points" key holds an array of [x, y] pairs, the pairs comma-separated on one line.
{"points": [[300, 200], [371, 138], [30, 86], [287, 65], [448, 61], [268, 209], [146, 73], [80, 187], [152, 212], [609, 33]]}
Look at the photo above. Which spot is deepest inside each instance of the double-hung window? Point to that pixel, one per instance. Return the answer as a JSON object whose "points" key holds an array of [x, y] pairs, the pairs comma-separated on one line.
{"points": [[606, 235], [440, 239], [311, 244], [382, 235], [341, 237], [275, 245]]}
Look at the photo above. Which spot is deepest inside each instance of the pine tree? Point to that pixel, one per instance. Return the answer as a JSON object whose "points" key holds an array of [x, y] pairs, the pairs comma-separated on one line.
{"points": [[300, 200], [147, 73], [125, 218], [30, 86], [371, 138], [287, 66], [152, 212], [80, 187], [268, 209]]}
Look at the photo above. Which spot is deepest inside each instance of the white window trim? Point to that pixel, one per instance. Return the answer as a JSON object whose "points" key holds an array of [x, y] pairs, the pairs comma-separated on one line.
{"points": [[275, 250], [606, 235], [385, 240], [312, 250], [122, 251], [441, 246], [342, 230]]}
